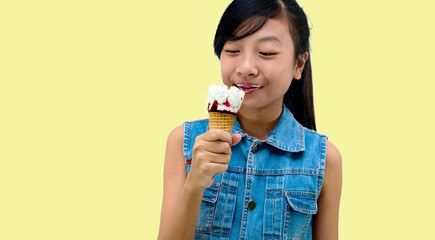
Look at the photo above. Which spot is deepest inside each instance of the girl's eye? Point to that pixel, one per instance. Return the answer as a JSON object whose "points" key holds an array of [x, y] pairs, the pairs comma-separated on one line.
{"points": [[232, 51], [267, 54]]}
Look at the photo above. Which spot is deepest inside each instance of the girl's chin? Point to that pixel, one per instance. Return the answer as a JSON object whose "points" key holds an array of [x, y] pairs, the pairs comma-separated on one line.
{"points": [[255, 104], [250, 105]]}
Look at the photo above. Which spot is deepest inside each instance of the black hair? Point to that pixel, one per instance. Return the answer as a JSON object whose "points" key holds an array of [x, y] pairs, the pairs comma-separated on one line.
{"points": [[244, 17]]}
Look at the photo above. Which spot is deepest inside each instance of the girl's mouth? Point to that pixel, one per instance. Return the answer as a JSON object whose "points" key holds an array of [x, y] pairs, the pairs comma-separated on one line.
{"points": [[248, 87]]}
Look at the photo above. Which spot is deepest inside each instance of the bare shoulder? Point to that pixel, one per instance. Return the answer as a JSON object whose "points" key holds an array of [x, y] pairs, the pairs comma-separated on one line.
{"points": [[333, 169], [176, 134], [174, 142], [174, 156], [333, 155]]}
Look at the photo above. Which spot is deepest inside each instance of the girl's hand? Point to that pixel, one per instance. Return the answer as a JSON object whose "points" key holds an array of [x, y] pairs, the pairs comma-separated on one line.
{"points": [[211, 155]]}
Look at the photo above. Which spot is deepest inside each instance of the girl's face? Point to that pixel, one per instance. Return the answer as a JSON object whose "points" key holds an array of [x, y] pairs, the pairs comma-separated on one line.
{"points": [[262, 65]]}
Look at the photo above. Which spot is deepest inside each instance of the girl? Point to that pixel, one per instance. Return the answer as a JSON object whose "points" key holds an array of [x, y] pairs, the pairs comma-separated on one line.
{"points": [[274, 177]]}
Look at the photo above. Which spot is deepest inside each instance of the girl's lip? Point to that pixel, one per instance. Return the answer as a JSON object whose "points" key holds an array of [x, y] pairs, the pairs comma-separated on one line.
{"points": [[249, 90], [248, 87]]}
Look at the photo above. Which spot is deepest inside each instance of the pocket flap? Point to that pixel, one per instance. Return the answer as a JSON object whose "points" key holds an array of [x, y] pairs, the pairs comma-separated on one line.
{"points": [[211, 193], [304, 202]]}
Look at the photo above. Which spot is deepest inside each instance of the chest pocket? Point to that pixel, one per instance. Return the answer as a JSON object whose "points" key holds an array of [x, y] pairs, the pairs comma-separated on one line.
{"points": [[217, 209], [287, 212], [299, 208]]}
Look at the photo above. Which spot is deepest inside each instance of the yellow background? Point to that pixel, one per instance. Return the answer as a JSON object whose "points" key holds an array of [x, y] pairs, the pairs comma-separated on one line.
{"points": [[90, 90]]}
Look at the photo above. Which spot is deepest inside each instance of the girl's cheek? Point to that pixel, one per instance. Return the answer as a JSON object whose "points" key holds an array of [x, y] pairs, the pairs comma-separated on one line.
{"points": [[226, 74], [226, 68]]}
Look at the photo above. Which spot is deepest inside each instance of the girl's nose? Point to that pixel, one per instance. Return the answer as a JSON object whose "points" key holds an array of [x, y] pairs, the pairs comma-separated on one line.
{"points": [[247, 67]]}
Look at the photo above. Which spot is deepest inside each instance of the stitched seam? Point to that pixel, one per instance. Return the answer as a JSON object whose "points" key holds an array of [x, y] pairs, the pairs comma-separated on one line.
{"points": [[300, 209], [206, 231], [225, 210], [274, 196], [301, 137], [276, 144], [186, 140], [311, 194], [322, 162], [239, 169], [306, 225], [273, 235], [230, 187], [280, 173], [283, 172], [221, 228], [274, 203], [270, 172], [286, 219], [296, 170]]}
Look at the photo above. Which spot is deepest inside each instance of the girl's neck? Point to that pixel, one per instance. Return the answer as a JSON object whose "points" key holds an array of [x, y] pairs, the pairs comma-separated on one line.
{"points": [[260, 122]]}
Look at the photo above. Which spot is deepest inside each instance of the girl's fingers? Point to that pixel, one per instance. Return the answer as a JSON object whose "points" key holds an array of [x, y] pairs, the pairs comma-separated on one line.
{"points": [[235, 139], [217, 147], [210, 157], [220, 168], [217, 135]]}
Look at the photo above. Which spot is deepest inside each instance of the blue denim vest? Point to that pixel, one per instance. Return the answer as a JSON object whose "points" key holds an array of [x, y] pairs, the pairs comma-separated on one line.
{"points": [[271, 187]]}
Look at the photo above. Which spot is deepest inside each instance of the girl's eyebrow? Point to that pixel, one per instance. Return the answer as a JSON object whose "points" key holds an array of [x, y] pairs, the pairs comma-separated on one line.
{"points": [[269, 38]]}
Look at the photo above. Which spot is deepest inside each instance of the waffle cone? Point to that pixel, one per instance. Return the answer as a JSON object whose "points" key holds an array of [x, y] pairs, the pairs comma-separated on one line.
{"points": [[220, 120]]}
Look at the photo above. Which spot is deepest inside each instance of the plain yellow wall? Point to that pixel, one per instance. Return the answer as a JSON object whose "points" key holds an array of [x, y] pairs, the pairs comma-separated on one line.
{"points": [[90, 90]]}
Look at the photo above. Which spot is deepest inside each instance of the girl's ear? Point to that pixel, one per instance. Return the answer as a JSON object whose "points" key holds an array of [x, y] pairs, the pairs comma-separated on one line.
{"points": [[299, 68]]}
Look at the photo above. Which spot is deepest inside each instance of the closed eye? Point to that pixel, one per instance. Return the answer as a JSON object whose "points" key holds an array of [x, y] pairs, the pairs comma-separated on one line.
{"points": [[267, 54], [232, 51]]}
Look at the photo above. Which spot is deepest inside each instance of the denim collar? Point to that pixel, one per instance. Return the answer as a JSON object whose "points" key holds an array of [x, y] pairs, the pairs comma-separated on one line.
{"points": [[288, 134]]}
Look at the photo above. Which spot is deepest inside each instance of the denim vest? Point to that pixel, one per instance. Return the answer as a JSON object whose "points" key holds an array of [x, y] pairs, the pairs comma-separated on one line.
{"points": [[271, 187]]}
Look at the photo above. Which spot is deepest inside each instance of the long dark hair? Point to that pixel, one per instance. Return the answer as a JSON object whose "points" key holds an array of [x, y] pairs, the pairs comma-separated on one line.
{"points": [[244, 17]]}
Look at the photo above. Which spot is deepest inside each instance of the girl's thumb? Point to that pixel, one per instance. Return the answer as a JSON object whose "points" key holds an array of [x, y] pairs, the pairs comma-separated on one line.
{"points": [[235, 139]]}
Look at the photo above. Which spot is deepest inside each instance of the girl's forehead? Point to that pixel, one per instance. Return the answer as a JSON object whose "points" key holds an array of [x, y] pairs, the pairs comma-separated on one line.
{"points": [[276, 26], [274, 30]]}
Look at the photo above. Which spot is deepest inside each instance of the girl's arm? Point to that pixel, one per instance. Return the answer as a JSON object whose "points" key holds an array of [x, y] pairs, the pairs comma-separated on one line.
{"points": [[182, 194], [325, 226], [180, 205]]}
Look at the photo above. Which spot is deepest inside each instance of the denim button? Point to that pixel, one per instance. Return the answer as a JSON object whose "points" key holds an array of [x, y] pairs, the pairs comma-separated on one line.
{"points": [[255, 148], [251, 205]]}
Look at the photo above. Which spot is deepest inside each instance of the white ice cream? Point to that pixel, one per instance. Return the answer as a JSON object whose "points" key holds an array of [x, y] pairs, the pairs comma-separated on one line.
{"points": [[222, 94], [235, 97]]}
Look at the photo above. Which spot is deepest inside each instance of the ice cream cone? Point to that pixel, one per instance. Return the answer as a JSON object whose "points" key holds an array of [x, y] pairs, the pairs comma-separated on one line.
{"points": [[220, 120], [223, 105]]}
